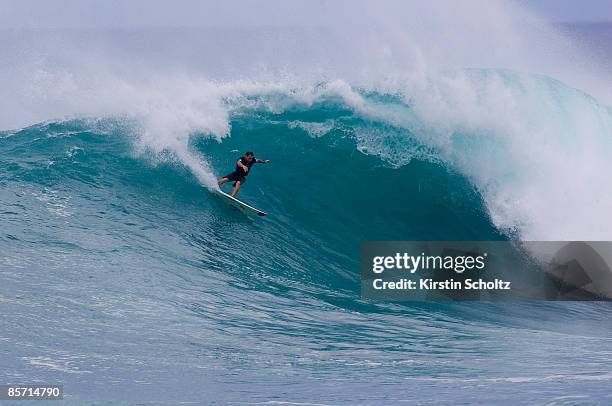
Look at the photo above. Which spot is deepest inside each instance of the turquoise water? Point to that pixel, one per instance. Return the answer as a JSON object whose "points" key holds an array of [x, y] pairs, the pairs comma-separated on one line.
{"points": [[126, 280]]}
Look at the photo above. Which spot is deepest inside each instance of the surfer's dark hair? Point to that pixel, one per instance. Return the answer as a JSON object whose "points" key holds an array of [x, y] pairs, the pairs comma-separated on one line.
{"points": [[249, 153]]}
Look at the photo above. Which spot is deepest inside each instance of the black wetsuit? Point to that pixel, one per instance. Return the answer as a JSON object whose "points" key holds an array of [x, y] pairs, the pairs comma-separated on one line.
{"points": [[239, 175]]}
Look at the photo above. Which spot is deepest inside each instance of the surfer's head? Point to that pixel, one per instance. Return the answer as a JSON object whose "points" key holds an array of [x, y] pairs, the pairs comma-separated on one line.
{"points": [[249, 155]]}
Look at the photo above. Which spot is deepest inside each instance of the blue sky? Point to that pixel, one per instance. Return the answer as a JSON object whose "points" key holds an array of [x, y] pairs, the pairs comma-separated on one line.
{"points": [[133, 13], [572, 10]]}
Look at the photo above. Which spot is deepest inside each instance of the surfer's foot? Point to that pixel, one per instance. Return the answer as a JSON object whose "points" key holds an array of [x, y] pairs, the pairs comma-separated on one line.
{"points": [[236, 189]]}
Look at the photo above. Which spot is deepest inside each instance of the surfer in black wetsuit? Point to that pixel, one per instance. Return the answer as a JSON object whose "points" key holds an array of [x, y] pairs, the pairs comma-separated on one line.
{"points": [[243, 165]]}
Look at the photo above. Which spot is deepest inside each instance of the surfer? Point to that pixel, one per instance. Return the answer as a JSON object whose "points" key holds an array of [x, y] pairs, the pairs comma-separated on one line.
{"points": [[243, 165]]}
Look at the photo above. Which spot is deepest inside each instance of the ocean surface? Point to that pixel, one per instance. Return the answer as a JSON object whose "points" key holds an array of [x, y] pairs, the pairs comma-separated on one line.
{"points": [[124, 278]]}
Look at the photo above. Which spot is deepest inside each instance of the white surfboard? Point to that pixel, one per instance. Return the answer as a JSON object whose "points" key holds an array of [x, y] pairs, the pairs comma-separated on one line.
{"points": [[237, 203]]}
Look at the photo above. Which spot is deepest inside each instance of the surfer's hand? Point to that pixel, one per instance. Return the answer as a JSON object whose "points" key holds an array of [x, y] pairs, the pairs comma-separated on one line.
{"points": [[245, 168]]}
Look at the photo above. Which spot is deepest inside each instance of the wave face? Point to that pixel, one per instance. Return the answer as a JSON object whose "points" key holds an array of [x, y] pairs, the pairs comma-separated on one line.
{"points": [[126, 275], [141, 265]]}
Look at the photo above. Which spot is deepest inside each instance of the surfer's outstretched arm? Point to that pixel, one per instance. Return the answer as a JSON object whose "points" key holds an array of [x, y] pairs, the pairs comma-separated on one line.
{"points": [[262, 161]]}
